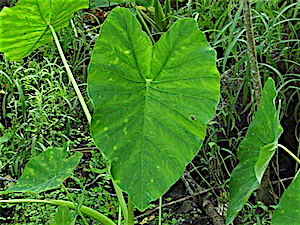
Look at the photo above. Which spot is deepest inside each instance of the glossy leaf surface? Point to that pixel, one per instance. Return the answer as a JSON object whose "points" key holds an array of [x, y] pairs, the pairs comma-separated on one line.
{"points": [[288, 209], [46, 171], [255, 151], [151, 102], [24, 27]]}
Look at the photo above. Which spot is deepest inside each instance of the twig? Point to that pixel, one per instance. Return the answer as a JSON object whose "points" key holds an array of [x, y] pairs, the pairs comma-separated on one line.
{"points": [[207, 204], [6, 179], [281, 180], [98, 193], [173, 202]]}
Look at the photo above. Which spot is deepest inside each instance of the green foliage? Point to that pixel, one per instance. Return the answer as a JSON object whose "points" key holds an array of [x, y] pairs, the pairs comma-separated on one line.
{"points": [[161, 21], [25, 27], [145, 3], [62, 216], [46, 171], [25, 213], [83, 210], [40, 110], [256, 213], [255, 151], [49, 110], [102, 3], [287, 211], [151, 104]]}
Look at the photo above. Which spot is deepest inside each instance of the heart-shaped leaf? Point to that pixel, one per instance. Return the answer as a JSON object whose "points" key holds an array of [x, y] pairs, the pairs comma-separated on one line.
{"points": [[46, 171], [152, 103], [288, 209], [255, 151], [24, 27]]}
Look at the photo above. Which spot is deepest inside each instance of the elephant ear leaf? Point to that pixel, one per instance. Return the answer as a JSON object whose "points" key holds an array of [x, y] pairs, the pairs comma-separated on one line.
{"points": [[255, 151], [288, 209], [151, 102], [46, 171], [25, 27]]}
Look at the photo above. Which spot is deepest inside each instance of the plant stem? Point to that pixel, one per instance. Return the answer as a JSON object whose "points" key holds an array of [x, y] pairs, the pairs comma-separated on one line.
{"points": [[121, 201], [290, 153], [159, 210], [254, 71], [298, 152], [70, 75], [120, 216], [262, 192], [130, 212], [84, 209], [74, 28], [72, 199], [140, 17]]}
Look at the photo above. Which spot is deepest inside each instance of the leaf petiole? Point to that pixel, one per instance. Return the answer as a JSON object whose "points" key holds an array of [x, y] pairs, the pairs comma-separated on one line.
{"points": [[70, 75], [84, 209], [290, 153]]}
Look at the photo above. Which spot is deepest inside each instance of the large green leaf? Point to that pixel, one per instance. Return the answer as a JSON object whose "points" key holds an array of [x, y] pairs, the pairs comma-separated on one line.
{"points": [[255, 151], [24, 27], [46, 171], [151, 103], [288, 209]]}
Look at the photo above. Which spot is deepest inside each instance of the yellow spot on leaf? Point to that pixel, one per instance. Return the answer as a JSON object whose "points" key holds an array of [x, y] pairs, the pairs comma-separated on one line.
{"points": [[125, 130], [116, 61]]}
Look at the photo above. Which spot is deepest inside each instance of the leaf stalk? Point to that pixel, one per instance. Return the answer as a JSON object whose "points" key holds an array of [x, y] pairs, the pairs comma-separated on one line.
{"points": [[84, 209], [71, 77], [290, 153]]}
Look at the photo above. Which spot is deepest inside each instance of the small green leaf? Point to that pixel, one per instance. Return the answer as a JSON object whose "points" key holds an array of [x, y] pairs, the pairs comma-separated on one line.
{"points": [[255, 151], [62, 216], [24, 27], [288, 209], [4, 138], [46, 171], [152, 103]]}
